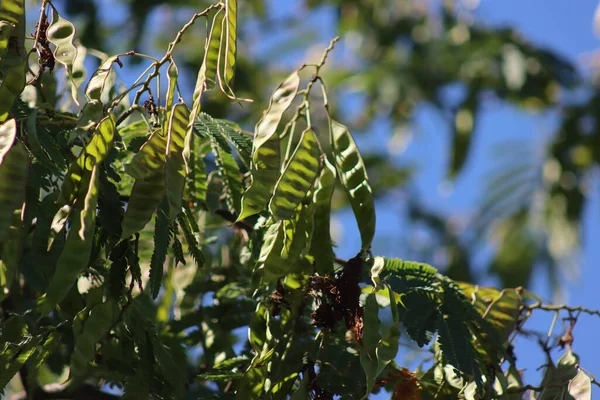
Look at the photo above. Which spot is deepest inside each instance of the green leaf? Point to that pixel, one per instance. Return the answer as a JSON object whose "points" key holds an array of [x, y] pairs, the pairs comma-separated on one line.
{"points": [[13, 179], [320, 245], [223, 131], [97, 325], [190, 234], [110, 210], [297, 178], [221, 376], [51, 342], [206, 127], [557, 378], [378, 351], [12, 11], [455, 338], [503, 312], [174, 372], [387, 348], [76, 253], [162, 239], [229, 171], [196, 183], [420, 315], [11, 14], [340, 370], [264, 168], [14, 356], [10, 257], [353, 176], [241, 140], [302, 392]]}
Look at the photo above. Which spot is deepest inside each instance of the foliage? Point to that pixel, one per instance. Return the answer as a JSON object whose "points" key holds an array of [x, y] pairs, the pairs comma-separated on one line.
{"points": [[136, 245]]}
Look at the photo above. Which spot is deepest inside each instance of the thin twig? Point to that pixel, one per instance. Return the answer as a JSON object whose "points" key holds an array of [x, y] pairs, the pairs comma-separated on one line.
{"points": [[560, 307], [169, 53], [318, 67]]}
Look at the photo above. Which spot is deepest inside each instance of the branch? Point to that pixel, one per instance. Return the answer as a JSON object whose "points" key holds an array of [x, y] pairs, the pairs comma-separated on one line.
{"points": [[561, 307]]}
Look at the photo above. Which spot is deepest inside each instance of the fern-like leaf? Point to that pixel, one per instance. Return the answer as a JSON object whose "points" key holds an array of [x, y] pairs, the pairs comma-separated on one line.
{"points": [[162, 238], [184, 219], [177, 246]]}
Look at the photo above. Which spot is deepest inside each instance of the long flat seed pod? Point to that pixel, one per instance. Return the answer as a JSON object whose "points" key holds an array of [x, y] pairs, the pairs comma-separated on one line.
{"points": [[95, 87], [14, 165], [353, 176], [150, 158], [230, 39], [14, 56], [78, 246], [93, 154], [213, 50], [320, 245], [269, 260], [297, 178], [264, 167], [145, 197], [61, 33], [176, 163], [95, 327]]}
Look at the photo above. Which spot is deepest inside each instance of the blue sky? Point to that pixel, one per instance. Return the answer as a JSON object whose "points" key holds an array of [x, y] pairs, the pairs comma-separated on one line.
{"points": [[567, 28]]}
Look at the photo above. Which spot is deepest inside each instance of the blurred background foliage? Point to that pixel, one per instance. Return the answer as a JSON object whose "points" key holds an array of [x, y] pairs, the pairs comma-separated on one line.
{"points": [[396, 56]]}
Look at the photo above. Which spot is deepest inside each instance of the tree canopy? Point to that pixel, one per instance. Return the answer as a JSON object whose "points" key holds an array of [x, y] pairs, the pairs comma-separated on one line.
{"points": [[154, 245]]}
